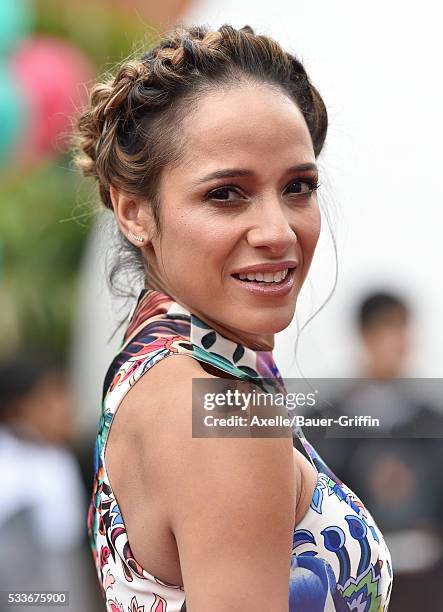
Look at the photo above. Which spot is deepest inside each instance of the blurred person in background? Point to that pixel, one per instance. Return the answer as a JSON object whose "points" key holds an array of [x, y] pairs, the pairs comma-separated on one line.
{"points": [[399, 474], [42, 498]]}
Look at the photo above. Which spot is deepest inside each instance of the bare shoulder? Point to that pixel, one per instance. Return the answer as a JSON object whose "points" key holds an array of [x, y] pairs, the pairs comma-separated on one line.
{"points": [[154, 417], [159, 414]]}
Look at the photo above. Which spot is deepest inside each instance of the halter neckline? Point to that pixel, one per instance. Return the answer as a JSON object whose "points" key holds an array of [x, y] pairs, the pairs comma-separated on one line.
{"points": [[153, 307]]}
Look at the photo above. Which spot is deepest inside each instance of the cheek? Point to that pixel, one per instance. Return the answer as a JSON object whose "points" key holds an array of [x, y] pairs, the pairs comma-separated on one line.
{"points": [[192, 245], [308, 232]]}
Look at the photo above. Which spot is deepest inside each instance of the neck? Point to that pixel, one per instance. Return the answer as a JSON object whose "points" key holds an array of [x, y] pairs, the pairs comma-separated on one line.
{"points": [[377, 371]]}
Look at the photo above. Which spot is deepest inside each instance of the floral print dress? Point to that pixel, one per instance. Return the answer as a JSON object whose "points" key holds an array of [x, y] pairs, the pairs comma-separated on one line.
{"points": [[340, 561]]}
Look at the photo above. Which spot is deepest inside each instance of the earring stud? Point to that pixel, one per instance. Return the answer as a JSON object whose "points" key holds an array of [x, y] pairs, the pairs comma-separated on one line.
{"points": [[138, 238]]}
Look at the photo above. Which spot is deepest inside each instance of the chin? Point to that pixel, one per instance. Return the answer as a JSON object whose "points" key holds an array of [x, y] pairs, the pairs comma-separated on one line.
{"points": [[267, 321]]}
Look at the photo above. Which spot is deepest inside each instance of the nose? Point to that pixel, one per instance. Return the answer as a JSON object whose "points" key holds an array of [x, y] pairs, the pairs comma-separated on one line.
{"points": [[271, 229]]}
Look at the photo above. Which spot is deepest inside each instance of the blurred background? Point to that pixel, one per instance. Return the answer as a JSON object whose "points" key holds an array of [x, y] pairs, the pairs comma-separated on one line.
{"points": [[377, 67]]}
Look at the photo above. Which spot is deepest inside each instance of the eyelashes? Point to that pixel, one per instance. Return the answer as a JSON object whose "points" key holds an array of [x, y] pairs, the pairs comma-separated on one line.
{"points": [[311, 185]]}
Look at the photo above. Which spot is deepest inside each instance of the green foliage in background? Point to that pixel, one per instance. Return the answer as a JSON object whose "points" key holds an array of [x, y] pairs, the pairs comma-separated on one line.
{"points": [[41, 247], [106, 31]]}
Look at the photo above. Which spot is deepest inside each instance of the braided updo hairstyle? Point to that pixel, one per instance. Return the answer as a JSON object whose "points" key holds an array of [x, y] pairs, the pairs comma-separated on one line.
{"points": [[131, 128]]}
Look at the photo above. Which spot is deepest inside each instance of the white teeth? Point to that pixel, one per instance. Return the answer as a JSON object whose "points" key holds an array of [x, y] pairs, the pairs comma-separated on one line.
{"points": [[267, 277]]}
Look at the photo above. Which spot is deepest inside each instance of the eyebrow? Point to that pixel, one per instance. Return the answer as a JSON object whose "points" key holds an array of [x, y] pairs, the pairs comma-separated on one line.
{"points": [[230, 172]]}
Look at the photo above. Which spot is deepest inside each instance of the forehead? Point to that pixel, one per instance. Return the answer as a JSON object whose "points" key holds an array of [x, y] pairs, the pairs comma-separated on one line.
{"points": [[251, 124]]}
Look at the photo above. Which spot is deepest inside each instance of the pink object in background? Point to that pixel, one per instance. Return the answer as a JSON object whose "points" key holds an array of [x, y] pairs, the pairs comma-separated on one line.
{"points": [[53, 76]]}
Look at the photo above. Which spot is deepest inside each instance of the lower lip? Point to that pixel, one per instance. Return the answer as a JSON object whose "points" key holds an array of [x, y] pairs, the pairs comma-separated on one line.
{"points": [[271, 289]]}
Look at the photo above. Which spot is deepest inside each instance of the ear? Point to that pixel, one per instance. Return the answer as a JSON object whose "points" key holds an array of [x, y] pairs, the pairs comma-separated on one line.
{"points": [[133, 215]]}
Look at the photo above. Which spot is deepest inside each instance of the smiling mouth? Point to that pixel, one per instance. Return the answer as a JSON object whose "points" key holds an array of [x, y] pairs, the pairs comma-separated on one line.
{"points": [[265, 278]]}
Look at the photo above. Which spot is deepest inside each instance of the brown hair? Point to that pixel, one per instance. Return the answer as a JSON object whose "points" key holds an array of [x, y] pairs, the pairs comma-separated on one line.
{"points": [[131, 129]]}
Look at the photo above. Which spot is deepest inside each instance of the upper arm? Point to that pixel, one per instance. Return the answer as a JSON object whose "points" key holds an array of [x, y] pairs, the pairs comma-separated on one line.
{"points": [[230, 505]]}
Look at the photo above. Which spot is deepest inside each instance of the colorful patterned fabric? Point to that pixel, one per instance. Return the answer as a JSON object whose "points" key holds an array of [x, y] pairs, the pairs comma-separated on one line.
{"points": [[340, 561]]}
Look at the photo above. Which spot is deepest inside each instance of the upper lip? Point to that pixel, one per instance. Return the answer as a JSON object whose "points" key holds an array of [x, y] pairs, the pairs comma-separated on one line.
{"points": [[267, 267]]}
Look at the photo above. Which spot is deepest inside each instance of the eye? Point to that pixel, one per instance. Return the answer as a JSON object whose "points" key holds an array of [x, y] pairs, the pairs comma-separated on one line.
{"points": [[221, 194], [302, 187]]}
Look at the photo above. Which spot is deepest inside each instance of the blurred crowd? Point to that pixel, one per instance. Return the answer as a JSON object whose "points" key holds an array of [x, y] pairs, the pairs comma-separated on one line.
{"points": [[43, 491]]}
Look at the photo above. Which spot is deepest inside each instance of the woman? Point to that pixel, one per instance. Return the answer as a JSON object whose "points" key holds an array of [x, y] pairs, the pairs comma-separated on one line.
{"points": [[205, 150]]}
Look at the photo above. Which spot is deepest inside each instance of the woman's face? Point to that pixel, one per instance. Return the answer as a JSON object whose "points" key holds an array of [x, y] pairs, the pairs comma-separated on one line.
{"points": [[262, 210]]}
